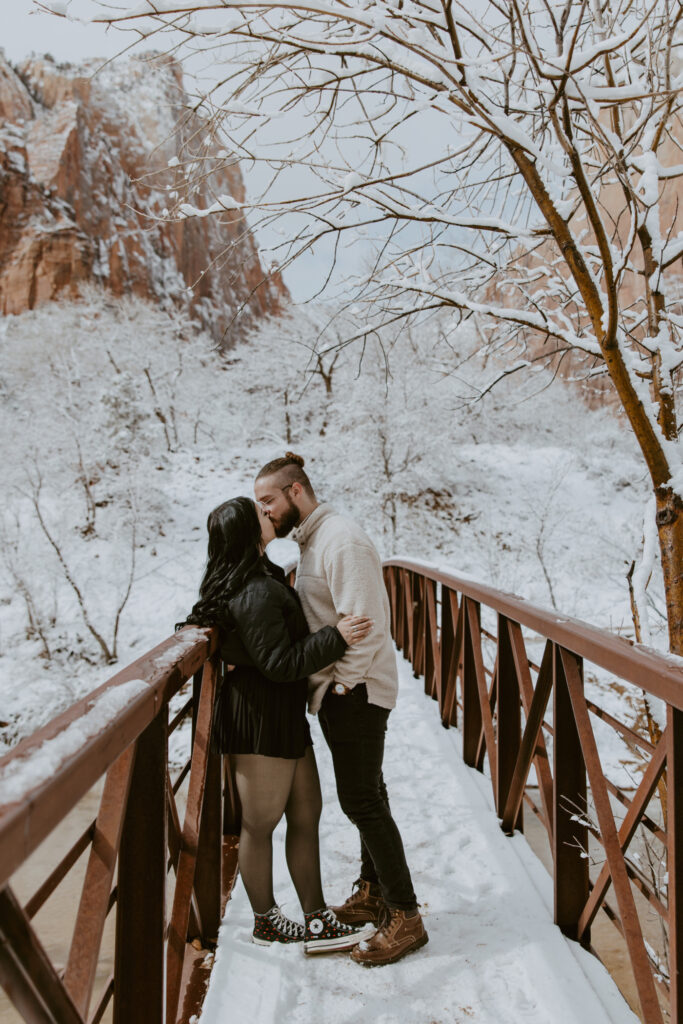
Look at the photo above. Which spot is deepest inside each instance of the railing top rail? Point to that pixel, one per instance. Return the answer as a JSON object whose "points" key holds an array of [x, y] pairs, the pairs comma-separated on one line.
{"points": [[659, 674], [46, 774]]}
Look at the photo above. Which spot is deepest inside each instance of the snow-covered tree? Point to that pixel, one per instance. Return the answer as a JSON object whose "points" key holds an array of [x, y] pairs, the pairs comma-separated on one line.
{"points": [[515, 162]]}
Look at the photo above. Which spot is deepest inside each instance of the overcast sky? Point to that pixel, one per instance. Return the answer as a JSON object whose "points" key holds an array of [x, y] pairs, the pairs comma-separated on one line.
{"points": [[24, 32]]}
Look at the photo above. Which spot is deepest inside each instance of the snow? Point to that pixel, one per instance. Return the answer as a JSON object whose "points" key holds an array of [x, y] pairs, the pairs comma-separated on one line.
{"points": [[494, 955], [224, 202], [184, 642], [350, 181], [25, 774], [489, 488]]}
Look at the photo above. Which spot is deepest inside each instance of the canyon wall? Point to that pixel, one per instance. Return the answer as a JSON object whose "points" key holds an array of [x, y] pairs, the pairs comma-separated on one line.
{"points": [[89, 160]]}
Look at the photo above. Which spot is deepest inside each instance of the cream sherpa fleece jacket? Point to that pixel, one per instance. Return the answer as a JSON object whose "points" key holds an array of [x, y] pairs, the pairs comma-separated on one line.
{"points": [[340, 573]]}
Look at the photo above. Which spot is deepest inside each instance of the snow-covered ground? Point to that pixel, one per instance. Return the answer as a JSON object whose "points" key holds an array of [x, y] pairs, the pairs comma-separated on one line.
{"points": [[494, 955], [139, 429], [138, 422]]}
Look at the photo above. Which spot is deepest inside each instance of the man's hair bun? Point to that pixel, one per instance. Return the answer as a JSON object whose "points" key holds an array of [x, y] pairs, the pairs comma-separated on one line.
{"points": [[296, 459], [289, 469]]}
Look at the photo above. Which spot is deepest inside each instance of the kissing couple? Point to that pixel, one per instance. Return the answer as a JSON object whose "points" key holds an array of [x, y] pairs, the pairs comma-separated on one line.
{"points": [[326, 643]]}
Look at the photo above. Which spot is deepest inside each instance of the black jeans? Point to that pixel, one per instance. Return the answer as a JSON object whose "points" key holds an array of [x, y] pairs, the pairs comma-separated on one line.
{"points": [[355, 731]]}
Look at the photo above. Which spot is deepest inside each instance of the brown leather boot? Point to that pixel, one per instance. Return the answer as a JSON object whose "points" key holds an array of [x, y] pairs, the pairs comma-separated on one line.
{"points": [[397, 935], [364, 904]]}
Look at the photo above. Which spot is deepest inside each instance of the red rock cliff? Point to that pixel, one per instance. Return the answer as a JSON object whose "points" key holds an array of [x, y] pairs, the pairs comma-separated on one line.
{"points": [[85, 179]]}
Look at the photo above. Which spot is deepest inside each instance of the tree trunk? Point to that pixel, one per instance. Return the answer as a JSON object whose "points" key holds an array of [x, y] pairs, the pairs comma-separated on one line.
{"points": [[670, 527]]}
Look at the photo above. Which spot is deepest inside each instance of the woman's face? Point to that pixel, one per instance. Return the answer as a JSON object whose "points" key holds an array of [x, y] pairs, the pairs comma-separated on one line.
{"points": [[267, 528]]}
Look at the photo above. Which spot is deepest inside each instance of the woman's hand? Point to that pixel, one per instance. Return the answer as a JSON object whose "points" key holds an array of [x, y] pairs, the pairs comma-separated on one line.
{"points": [[354, 628]]}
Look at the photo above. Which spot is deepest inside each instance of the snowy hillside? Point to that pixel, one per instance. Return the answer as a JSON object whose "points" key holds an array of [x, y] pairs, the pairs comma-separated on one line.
{"points": [[123, 428]]}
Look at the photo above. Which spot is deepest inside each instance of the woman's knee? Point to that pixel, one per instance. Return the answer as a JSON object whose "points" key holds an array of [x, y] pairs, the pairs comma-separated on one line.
{"points": [[259, 826]]}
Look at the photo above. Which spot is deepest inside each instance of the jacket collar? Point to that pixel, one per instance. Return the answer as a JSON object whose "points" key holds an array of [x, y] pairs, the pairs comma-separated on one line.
{"points": [[302, 534]]}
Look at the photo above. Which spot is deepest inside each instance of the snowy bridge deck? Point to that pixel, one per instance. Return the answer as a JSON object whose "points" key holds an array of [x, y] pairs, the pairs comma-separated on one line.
{"points": [[494, 954]]}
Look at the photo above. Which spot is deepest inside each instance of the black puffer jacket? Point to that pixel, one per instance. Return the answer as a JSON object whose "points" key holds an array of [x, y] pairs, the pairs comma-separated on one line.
{"points": [[271, 634]]}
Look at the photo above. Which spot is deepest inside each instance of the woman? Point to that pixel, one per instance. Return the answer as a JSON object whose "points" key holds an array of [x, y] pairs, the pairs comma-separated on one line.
{"points": [[261, 719]]}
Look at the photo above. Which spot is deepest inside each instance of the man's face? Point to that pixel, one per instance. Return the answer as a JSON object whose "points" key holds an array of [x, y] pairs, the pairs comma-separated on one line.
{"points": [[276, 503]]}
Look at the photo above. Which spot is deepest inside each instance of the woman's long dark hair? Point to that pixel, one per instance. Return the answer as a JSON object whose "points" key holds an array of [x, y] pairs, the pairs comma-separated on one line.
{"points": [[234, 555]]}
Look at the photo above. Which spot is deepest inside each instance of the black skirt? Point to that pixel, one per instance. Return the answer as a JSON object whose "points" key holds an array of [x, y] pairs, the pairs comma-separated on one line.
{"points": [[255, 715]]}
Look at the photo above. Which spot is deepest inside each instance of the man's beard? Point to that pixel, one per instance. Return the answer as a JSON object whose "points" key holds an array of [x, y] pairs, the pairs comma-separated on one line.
{"points": [[287, 521]]}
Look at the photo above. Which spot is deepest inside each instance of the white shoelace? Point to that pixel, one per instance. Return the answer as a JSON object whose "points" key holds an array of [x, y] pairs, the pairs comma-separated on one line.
{"points": [[332, 919], [282, 923]]}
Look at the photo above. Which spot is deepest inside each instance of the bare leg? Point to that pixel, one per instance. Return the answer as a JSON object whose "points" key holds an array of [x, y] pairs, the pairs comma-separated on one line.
{"points": [[303, 815], [264, 785]]}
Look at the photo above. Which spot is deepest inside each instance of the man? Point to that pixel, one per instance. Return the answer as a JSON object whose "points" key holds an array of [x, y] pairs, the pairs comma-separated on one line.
{"points": [[340, 573]]}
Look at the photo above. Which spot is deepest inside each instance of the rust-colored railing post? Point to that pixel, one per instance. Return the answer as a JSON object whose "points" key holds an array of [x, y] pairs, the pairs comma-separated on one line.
{"points": [[674, 826], [409, 606], [399, 597], [208, 883], [419, 605], [430, 640], [449, 715], [196, 694], [141, 909], [390, 584], [448, 656], [509, 720], [471, 707], [570, 834]]}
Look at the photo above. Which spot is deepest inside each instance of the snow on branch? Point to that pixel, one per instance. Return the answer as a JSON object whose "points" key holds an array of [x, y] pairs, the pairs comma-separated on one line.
{"points": [[518, 164]]}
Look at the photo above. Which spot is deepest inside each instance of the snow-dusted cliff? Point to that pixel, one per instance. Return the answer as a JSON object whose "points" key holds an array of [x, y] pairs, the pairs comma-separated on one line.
{"points": [[88, 156]]}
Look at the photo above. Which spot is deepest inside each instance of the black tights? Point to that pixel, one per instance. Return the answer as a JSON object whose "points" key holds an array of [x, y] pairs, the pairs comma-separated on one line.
{"points": [[269, 787]]}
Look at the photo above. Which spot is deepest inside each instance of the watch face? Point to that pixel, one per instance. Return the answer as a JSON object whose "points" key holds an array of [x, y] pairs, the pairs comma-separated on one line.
{"points": [[339, 688]]}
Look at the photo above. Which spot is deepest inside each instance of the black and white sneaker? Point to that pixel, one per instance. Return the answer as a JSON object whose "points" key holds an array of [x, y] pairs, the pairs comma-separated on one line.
{"points": [[275, 927], [325, 933]]}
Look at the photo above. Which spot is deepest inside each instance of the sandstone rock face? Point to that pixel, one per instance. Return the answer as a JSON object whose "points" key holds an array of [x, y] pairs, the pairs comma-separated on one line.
{"points": [[90, 160]]}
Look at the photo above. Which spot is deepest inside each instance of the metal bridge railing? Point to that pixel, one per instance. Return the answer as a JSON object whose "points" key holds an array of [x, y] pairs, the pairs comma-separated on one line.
{"points": [[121, 731], [439, 622]]}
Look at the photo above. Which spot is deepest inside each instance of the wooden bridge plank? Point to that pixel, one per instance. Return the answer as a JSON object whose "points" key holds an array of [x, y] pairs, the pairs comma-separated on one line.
{"points": [[189, 845], [432, 660], [633, 935], [94, 904], [141, 905], [448, 664], [477, 681], [43, 893], [492, 693], [208, 883], [509, 729], [28, 976], [627, 830], [174, 846], [674, 772], [449, 714], [527, 747], [570, 834], [526, 689]]}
